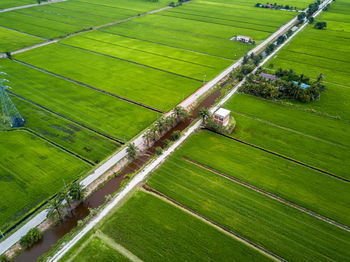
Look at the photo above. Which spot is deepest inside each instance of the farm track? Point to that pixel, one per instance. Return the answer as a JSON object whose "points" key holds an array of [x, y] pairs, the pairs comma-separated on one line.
{"points": [[282, 156], [211, 222], [257, 189], [58, 146], [97, 89], [66, 118], [132, 62], [27, 6]]}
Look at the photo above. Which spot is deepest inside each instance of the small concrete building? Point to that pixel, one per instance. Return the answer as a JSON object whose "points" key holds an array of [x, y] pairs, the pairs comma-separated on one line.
{"points": [[245, 39], [222, 116]]}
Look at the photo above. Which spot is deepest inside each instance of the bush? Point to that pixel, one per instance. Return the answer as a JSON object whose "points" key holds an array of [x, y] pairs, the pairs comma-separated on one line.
{"points": [[30, 238], [159, 151], [4, 258], [175, 135], [212, 125], [166, 143]]}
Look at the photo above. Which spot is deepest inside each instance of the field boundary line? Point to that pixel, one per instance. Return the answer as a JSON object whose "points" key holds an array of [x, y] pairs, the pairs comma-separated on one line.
{"points": [[151, 190], [147, 52], [80, 248], [268, 194], [293, 130], [281, 156], [66, 118], [326, 58], [110, 242], [43, 38], [158, 43], [131, 62], [58, 146], [86, 85], [27, 6]]}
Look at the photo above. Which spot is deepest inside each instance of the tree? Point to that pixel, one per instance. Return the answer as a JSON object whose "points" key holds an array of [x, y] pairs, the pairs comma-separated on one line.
{"points": [[204, 114], [131, 150], [55, 206], [161, 125], [311, 20], [148, 136], [64, 195], [175, 135], [301, 16], [76, 191], [170, 121], [320, 25], [320, 77], [245, 59], [180, 113], [30, 238]]}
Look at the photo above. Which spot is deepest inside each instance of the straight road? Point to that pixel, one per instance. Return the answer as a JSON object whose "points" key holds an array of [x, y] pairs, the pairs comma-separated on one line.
{"points": [[27, 6]]}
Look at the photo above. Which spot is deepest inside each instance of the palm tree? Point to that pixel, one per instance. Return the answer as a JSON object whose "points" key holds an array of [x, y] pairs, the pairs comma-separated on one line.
{"points": [[64, 195], [55, 206], [320, 77], [170, 121], [180, 113], [204, 114], [76, 191], [148, 136], [160, 124], [131, 150]]}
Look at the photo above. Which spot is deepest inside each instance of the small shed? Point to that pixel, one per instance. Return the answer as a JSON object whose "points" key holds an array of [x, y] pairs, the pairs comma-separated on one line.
{"points": [[268, 76], [222, 116], [245, 39]]}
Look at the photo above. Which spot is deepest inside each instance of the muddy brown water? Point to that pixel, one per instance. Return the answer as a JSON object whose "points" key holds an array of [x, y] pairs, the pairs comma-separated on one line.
{"points": [[52, 235]]}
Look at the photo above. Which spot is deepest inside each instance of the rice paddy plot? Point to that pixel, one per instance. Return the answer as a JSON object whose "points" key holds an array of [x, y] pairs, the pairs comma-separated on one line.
{"points": [[12, 40], [65, 134], [287, 232], [318, 192], [154, 230], [327, 157], [109, 44], [31, 170], [181, 39], [145, 85], [308, 123], [14, 3], [108, 115]]}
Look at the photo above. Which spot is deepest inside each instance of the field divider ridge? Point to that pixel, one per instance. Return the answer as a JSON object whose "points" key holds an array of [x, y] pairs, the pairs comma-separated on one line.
{"points": [[66, 118], [58, 146], [233, 234], [281, 156], [86, 85], [131, 62], [27, 6], [268, 194]]}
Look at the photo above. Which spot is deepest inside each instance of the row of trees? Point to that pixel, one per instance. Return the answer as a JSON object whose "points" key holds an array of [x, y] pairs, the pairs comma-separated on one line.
{"points": [[162, 125], [73, 192], [275, 6], [288, 86]]}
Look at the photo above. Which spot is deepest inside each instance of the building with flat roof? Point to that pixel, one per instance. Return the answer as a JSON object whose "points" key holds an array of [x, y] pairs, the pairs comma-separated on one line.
{"points": [[245, 39], [222, 116]]}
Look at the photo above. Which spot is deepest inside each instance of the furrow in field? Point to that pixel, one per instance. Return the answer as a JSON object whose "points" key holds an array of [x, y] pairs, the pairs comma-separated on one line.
{"points": [[211, 222], [132, 62], [303, 209], [80, 83], [53, 112]]}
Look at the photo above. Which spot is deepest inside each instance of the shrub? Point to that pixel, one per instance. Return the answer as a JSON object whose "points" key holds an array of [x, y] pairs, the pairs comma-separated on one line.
{"points": [[175, 135], [166, 143], [4, 258], [159, 150], [30, 238]]}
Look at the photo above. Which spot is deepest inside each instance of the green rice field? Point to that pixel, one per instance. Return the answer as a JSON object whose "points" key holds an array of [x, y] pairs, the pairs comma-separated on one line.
{"points": [[31, 170], [14, 3], [281, 229], [12, 40], [153, 230]]}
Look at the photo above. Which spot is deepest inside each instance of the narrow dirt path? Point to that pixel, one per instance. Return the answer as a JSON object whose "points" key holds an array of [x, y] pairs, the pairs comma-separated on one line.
{"points": [[109, 241], [27, 6], [303, 209], [221, 228]]}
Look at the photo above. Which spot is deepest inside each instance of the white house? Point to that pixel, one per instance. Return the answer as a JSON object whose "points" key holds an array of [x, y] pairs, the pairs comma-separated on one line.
{"points": [[245, 39], [222, 116]]}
